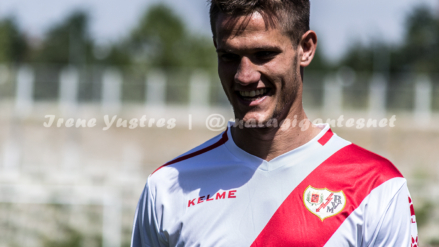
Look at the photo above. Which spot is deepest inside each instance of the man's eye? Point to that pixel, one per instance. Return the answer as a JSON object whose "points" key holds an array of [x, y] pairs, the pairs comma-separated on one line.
{"points": [[229, 57], [265, 54]]}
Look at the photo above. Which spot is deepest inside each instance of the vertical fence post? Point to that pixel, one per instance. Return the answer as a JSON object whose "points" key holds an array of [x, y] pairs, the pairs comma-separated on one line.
{"points": [[199, 92], [377, 96], [24, 91], [68, 90], [332, 96], [111, 90], [11, 156], [423, 91], [4, 74], [155, 95]]}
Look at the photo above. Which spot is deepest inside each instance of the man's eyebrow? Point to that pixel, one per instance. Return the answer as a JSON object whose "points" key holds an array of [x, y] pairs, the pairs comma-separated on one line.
{"points": [[259, 48]]}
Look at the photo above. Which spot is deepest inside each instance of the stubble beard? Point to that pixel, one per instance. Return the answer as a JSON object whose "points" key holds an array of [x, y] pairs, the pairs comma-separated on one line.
{"points": [[285, 103]]}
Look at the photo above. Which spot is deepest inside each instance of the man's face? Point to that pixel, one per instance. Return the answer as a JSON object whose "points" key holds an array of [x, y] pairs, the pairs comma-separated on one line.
{"points": [[258, 68]]}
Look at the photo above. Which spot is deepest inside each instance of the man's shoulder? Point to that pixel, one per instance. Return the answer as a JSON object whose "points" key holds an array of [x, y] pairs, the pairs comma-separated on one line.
{"points": [[357, 160], [359, 174], [201, 153]]}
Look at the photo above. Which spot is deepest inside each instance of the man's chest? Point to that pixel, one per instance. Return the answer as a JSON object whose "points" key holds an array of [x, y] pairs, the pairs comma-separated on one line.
{"points": [[251, 214]]}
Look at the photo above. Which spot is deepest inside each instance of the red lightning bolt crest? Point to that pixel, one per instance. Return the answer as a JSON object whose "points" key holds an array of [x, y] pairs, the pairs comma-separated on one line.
{"points": [[323, 205]]}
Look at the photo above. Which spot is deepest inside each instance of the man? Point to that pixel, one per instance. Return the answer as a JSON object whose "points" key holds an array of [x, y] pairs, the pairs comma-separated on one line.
{"points": [[268, 180]]}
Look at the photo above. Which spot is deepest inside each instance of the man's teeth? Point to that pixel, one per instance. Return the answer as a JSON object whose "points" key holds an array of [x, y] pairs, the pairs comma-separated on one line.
{"points": [[253, 93]]}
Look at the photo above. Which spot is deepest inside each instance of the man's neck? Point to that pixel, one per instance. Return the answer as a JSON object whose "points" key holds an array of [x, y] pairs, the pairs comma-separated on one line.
{"points": [[268, 143]]}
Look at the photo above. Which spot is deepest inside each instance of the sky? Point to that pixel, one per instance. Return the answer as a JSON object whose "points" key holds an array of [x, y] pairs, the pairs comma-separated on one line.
{"points": [[337, 22]]}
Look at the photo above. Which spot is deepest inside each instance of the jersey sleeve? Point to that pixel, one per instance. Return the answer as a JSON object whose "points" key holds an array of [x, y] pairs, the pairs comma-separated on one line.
{"points": [[397, 226], [146, 230]]}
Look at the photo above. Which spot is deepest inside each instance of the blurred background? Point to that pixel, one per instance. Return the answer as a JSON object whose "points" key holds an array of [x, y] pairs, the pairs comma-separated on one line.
{"points": [[74, 182]]}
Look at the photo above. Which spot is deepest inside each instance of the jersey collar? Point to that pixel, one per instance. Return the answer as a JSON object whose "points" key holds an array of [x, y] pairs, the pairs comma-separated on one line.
{"points": [[295, 156]]}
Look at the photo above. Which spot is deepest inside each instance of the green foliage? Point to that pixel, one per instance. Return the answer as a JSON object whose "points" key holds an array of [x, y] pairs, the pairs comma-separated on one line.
{"points": [[158, 37], [13, 45], [161, 40], [319, 62], [359, 58], [72, 238], [434, 242], [159, 22], [67, 42], [198, 52], [117, 56], [423, 214], [418, 53]]}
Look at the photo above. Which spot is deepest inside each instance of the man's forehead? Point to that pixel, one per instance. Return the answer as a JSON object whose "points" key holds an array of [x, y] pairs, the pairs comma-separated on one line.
{"points": [[236, 25]]}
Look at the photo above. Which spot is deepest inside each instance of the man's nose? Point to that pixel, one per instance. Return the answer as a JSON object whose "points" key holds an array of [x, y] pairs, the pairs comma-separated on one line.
{"points": [[247, 72]]}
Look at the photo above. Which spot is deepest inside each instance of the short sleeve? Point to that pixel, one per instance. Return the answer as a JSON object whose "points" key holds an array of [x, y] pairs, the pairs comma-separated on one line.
{"points": [[146, 230], [397, 226]]}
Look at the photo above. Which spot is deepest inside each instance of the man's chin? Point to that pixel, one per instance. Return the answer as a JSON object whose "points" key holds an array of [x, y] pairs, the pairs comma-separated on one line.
{"points": [[257, 123]]}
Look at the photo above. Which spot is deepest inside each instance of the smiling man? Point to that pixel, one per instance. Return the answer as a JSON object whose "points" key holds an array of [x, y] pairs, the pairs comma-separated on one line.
{"points": [[265, 182]]}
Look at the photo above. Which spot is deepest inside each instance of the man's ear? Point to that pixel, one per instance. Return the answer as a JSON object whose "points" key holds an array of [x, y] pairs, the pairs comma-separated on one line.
{"points": [[307, 48], [214, 42]]}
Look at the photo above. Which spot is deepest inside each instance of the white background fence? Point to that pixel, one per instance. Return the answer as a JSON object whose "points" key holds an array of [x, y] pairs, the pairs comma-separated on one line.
{"points": [[196, 89]]}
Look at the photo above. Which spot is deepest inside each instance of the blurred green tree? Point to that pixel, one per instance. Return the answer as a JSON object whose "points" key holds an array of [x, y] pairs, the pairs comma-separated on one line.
{"points": [[358, 57], [13, 44], [116, 55], [67, 42], [162, 40], [319, 62], [420, 50], [157, 37]]}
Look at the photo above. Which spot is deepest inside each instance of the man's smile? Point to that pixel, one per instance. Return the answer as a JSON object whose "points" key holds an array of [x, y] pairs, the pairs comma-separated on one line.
{"points": [[253, 97]]}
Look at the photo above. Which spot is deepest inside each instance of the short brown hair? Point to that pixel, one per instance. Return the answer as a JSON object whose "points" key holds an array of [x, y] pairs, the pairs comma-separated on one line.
{"points": [[292, 15]]}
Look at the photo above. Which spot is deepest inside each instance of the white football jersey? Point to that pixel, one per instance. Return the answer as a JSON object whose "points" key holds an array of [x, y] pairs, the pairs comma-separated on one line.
{"points": [[327, 192]]}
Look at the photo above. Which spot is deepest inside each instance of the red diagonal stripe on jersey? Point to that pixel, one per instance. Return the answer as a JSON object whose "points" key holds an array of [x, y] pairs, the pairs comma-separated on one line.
{"points": [[223, 140], [353, 170], [325, 138]]}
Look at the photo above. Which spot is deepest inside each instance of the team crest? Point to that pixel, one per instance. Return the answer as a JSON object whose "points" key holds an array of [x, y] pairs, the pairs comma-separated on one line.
{"points": [[324, 203]]}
